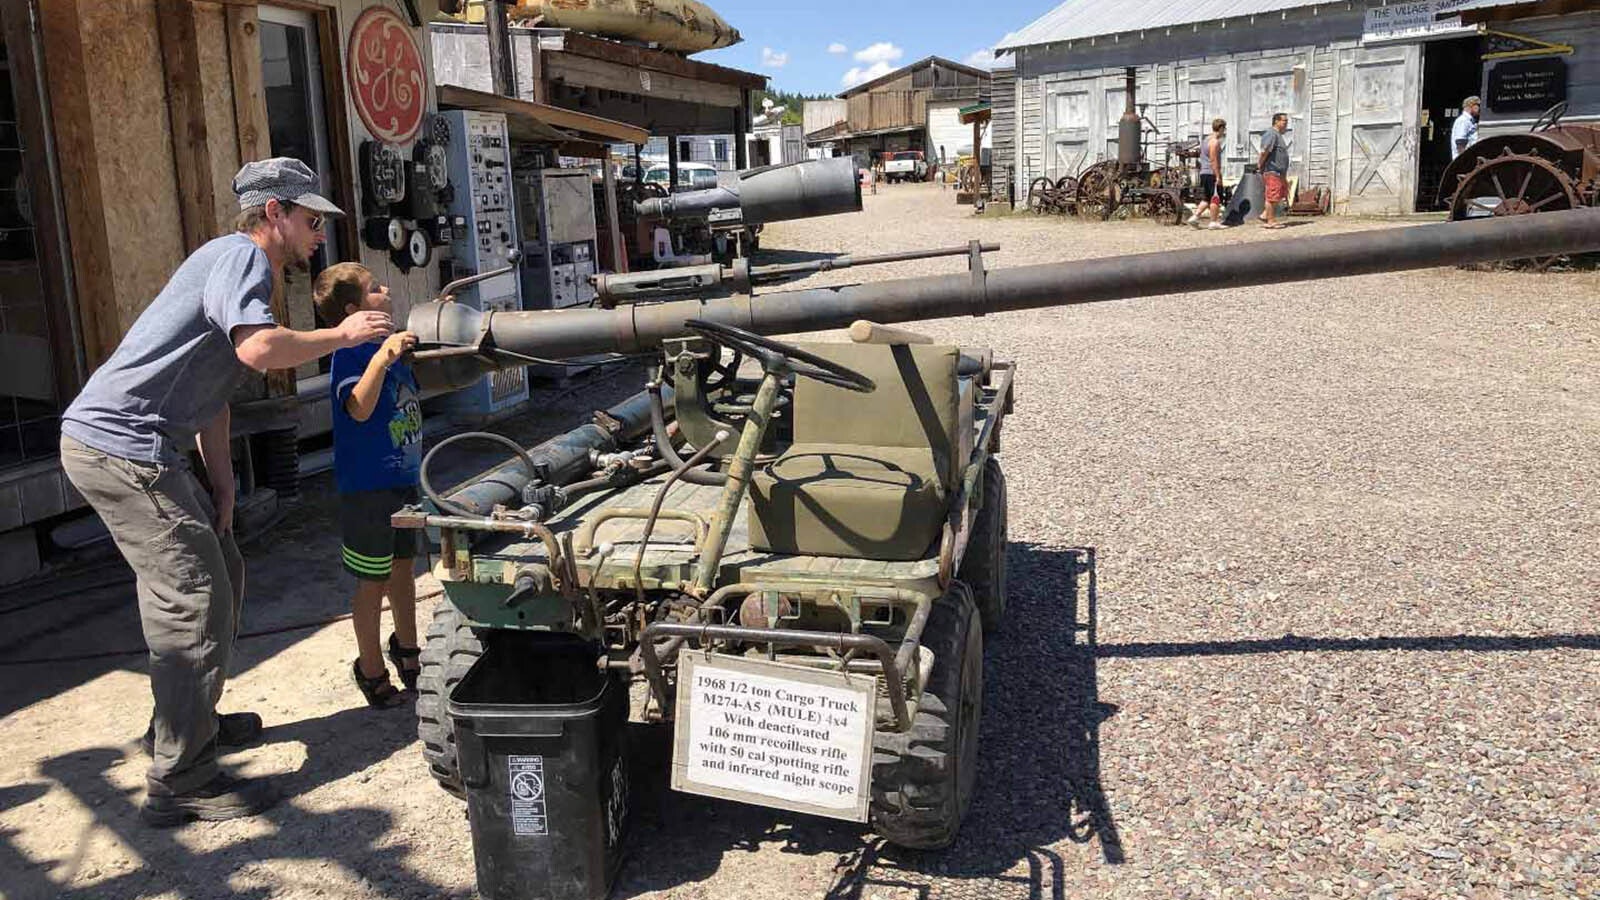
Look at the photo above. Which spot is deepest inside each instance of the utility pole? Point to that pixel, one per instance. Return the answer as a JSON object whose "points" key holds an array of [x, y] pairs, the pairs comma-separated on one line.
{"points": [[494, 20]]}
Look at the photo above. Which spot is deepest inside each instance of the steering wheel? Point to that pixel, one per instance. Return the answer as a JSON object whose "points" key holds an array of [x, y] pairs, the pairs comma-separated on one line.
{"points": [[777, 358], [1550, 118]]}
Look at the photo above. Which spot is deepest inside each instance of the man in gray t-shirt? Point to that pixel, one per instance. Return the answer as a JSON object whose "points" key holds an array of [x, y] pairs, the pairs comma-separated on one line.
{"points": [[124, 445], [1274, 166]]}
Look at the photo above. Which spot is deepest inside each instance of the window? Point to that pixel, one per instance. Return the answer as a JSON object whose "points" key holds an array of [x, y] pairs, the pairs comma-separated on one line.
{"points": [[30, 402], [719, 150], [683, 151], [291, 78]]}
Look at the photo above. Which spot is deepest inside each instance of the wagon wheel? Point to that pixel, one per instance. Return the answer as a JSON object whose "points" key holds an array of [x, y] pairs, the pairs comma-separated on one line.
{"points": [[1163, 204], [1066, 194], [1169, 177], [1513, 184], [1096, 196], [1550, 117], [1041, 196]]}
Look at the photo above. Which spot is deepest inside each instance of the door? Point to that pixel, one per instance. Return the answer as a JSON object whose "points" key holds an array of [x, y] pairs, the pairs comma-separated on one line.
{"points": [[297, 126], [1377, 130], [1209, 94], [1451, 71], [1271, 86], [1069, 115]]}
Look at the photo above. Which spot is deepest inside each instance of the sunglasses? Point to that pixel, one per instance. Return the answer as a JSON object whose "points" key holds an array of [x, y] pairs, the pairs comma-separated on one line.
{"points": [[316, 222]]}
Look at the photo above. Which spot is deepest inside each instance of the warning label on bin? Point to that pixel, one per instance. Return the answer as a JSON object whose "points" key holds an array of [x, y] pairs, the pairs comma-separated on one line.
{"points": [[527, 795], [776, 735]]}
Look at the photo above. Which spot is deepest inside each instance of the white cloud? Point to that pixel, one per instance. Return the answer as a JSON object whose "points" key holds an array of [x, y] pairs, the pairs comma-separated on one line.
{"points": [[980, 59], [773, 59], [837, 48], [881, 52], [859, 75]]}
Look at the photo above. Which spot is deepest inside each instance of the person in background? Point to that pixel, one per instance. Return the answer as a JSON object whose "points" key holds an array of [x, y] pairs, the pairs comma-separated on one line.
{"points": [[125, 443], [1274, 166], [1210, 172], [377, 459], [1465, 130]]}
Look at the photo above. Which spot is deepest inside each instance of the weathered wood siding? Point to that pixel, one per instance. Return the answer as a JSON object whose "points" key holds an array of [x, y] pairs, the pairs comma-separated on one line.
{"points": [[1003, 126]]}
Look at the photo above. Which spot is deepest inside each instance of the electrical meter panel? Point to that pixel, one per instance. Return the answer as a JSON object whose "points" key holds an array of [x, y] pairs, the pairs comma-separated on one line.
{"points": [[482, 202], [556, 207]]}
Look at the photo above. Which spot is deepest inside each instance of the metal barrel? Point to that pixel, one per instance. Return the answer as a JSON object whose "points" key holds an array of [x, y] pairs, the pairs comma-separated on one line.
{"points": [[802, 190], [561, 460], [576, 332]]}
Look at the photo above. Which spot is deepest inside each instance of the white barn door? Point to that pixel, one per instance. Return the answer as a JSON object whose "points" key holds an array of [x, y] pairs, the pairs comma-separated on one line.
{"points": [[1376, 145]]}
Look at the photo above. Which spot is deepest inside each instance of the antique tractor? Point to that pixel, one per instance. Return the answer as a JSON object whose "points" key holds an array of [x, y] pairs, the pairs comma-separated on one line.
{"points": [[1551, 167], [791, 554]]}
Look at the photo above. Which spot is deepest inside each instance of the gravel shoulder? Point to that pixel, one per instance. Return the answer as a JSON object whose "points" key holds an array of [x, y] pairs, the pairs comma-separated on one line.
{"points": [[1304, 605]]}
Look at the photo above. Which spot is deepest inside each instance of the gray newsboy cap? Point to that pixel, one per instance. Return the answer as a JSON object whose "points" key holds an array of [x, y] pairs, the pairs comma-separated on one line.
{"points": [[284, 179]]}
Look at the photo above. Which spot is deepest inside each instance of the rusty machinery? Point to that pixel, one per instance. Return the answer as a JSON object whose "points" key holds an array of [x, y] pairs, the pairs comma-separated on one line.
{"points": [[1550, 167], [1131, 180]]}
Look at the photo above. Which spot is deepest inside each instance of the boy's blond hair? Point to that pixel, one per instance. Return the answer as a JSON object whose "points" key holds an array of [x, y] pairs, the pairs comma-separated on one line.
{"points": [[340, 285]]}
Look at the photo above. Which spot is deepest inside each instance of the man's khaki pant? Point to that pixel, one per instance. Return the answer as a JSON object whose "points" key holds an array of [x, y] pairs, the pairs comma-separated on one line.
{"points": [[191, 591]]}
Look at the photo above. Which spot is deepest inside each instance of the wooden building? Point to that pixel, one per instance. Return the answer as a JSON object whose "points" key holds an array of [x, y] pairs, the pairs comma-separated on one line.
{"points": [[1371, 87], [130, 120], [915, 107]]}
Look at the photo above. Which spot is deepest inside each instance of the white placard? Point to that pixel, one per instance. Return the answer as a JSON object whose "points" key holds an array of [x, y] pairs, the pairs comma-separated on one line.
{"points": [[1410, 19], [775, 735]]}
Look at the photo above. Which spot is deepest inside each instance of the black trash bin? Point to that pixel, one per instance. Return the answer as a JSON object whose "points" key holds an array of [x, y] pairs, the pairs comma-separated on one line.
{"points": [[541, 738]]}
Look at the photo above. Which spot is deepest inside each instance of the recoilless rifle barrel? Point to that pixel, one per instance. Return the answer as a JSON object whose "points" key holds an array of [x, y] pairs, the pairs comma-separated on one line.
{"points": [[558, 334]]}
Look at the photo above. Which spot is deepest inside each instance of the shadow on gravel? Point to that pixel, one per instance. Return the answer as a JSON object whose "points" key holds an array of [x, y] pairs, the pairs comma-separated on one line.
{"points": [[348, 838], [1038, 780]]}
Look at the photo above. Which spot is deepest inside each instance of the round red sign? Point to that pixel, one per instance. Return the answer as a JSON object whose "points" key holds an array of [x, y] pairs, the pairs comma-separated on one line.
{"points": [[386, 76]]}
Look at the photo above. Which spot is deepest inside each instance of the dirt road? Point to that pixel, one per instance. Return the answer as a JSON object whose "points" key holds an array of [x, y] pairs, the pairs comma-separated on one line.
{"points": [[1342, 543]]}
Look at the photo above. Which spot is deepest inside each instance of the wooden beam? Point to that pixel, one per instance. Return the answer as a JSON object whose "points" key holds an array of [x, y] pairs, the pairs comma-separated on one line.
{"points": [[67, 80], [587, 71], [249, 98], [587, 126], [658, 61], [619, 252], [186, 109], [335, 111]]}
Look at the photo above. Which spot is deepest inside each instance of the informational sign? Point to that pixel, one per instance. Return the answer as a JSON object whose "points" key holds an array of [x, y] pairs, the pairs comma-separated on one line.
{"points": [[527, 795], [775, 735], [1402, 20], [386, 76], [1527, 85]]}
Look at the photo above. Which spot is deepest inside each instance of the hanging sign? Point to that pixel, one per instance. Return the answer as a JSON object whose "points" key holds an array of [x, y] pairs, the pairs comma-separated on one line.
{"points": [[1403, 20], [386, 76], [1527, 85]]}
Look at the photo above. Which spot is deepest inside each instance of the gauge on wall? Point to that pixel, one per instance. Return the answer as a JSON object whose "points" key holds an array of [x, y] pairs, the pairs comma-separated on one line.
{"points": [[382, 173]]}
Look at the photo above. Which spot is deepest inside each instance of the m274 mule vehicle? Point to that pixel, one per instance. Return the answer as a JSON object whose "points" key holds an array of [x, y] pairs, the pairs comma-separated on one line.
{"points": [[791, 552]]}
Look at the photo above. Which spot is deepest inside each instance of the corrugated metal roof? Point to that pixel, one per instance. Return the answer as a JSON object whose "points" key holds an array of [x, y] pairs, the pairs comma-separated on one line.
{"points": [[1081, 19]]}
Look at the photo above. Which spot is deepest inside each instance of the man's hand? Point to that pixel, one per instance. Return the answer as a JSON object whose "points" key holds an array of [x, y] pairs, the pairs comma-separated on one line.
{"points": [[222, 499], [366, 325], [394, 345]]}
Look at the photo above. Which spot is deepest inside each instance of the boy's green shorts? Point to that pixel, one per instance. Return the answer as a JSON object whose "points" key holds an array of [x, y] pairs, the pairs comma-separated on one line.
{"points": [[371, 544]]}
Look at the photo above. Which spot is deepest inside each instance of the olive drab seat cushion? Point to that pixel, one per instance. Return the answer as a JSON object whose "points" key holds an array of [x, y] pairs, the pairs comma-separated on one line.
{"points": [[868, 475]]}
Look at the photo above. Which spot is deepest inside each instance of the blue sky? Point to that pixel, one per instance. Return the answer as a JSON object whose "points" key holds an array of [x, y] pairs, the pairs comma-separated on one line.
{"points": [[832, 43]]}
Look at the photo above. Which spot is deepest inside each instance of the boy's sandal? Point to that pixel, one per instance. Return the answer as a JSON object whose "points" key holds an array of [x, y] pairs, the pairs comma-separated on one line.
{"points": [[400, 656], [378, 690]]}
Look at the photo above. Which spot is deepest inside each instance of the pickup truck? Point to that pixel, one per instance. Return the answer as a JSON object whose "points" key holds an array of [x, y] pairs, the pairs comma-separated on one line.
{"points": [[905, 165]]}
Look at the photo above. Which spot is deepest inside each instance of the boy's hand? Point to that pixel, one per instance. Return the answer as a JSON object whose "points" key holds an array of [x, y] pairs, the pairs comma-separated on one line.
{"points": [[366, 325], [394, 345]]}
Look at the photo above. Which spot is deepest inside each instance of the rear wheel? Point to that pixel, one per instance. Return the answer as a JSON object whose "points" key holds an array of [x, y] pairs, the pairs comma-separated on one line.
{"points": [[451, 649], [922, 780], [983, 568]]}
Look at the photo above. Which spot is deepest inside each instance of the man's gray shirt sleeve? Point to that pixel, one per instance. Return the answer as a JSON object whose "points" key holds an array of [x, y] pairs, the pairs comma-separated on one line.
{"points": [[239, 291]]}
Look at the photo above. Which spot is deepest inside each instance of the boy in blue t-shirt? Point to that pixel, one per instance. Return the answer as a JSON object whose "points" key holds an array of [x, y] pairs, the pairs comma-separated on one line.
{"points": [[377, 455]]}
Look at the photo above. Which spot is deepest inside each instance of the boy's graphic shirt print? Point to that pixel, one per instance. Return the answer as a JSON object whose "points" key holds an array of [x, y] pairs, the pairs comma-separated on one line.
{"points": [[385, 451]]}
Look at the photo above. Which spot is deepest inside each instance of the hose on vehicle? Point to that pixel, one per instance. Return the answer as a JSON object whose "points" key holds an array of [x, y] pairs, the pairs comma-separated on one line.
{"points": [[446, 505]]}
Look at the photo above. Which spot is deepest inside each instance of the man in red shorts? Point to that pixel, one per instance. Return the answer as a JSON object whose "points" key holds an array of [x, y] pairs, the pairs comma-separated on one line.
{"points": [[1274, 167]]}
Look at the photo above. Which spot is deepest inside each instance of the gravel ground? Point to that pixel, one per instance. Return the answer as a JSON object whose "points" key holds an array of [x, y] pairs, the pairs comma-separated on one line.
{"points": [[1304, 598]]}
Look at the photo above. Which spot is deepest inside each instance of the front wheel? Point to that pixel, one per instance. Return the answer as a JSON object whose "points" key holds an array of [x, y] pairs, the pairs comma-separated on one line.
{"points": [[922, 780], [451, 649]]}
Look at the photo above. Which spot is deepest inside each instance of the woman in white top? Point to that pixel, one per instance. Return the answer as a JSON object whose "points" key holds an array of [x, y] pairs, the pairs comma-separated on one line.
{"points": [[1210, 166]]}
